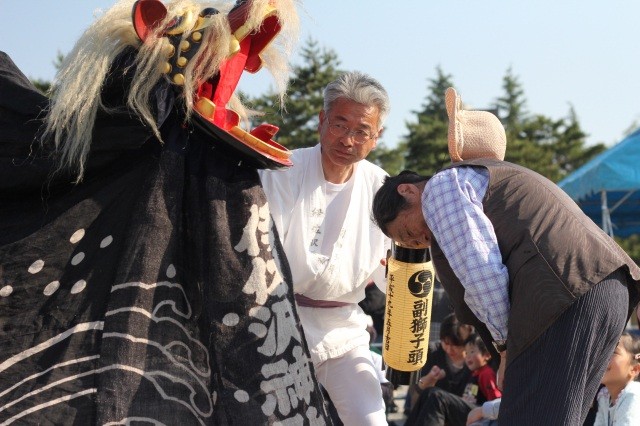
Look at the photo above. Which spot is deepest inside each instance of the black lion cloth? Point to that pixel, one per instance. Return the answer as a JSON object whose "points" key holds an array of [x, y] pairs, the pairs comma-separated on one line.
{"points": [[154, 292]]}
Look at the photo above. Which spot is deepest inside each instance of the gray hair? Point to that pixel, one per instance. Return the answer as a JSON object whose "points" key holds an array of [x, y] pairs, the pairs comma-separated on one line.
{"points": [[360, 88]]}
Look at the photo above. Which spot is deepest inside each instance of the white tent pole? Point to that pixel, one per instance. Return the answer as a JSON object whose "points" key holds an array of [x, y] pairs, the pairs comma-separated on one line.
{"points": [[622, 200], [606, 218]]}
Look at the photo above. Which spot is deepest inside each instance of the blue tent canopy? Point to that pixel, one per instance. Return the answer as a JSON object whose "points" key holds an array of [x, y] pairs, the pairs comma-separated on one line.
{"points": [[607, 188]]}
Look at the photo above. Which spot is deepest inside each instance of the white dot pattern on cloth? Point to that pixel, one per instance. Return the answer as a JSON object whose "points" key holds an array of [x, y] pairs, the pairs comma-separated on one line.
{"points": [[231, 320], [77, 236], [241, 396], [36, 266], [77, 258], [51, 288], [6, 290], [259, 330], [106, 241], [78, 287], [171, 271]]}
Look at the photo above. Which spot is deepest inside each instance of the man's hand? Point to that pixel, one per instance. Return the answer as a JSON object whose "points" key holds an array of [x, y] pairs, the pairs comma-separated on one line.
{"points": [[385, 261], [430, 379], [501, 369]]}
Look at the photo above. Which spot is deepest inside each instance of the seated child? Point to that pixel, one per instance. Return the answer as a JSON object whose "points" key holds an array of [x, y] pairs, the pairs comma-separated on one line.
{"points": [[438, 407], [445, 367], [619, 400], [483, 385], [486, 415]]}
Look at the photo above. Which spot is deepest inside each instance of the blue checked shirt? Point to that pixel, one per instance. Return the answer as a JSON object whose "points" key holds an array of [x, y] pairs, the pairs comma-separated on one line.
{"points": [[452, 207]]}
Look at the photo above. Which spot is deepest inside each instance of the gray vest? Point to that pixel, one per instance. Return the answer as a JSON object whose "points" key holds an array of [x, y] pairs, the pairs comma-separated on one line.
{"points": [[554, 253]]}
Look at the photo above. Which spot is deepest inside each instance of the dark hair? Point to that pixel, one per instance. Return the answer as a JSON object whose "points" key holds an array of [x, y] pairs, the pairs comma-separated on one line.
{"points": [[631, 344], [453, 331], [387, 202], [477, 341]]}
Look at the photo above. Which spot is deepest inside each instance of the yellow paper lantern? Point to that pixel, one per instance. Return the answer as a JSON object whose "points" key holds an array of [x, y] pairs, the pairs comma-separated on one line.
{"points": [[410, 280]]}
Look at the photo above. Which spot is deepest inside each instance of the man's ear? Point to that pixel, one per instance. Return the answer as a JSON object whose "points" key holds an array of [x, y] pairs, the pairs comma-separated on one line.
{"points": [[321, 118], [408, 191], [635, 371], [375, 140]]}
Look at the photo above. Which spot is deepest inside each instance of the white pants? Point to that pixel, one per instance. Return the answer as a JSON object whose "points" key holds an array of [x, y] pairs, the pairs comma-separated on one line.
{"points": [[354, 388]]}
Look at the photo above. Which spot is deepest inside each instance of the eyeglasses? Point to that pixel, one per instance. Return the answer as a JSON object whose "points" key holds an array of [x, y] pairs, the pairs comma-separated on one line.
{"points": [[359, 136]]}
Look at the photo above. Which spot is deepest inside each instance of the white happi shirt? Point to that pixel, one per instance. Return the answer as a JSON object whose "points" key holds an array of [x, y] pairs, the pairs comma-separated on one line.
{"points": [[340, 272]]}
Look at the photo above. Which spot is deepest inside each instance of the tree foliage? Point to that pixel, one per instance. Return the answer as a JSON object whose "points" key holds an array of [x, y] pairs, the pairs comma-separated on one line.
{"points": [[552, 147], [44, 86], [426, 142], [390, 159], [631, 245]]}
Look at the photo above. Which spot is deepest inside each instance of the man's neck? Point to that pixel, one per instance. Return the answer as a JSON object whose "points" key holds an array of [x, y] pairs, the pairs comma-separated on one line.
{"points": [[337, 174]]}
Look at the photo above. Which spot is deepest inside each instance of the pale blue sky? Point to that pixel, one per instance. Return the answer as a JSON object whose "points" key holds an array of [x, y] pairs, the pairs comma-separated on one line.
{"points": [[581, 53]]}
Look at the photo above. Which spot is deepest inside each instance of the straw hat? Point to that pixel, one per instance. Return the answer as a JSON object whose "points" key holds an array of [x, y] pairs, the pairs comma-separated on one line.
{"points": [[473, 134]]}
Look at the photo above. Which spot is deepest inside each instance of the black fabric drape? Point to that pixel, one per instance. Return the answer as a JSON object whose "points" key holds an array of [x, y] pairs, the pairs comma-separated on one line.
{"points": [[155, 291]]}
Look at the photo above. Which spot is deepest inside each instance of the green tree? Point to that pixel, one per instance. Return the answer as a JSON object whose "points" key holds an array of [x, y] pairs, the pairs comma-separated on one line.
{"points": [[511, 109], [511, 106], [552, 147], [631, 245], [425, 145], [45, 85], [390, 159], [569, 150], [42, 85], [298, 118]]}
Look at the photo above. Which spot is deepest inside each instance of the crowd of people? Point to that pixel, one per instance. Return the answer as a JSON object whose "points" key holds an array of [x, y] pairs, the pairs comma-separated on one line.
{"points": [[457, 377], [457, 385]]}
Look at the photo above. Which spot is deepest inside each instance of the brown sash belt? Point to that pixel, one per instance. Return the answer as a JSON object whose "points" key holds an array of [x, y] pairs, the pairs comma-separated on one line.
{"points": [[307, 302]]}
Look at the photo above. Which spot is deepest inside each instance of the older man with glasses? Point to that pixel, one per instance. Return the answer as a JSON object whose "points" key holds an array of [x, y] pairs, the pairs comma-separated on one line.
{"points": [[321, 207]]}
